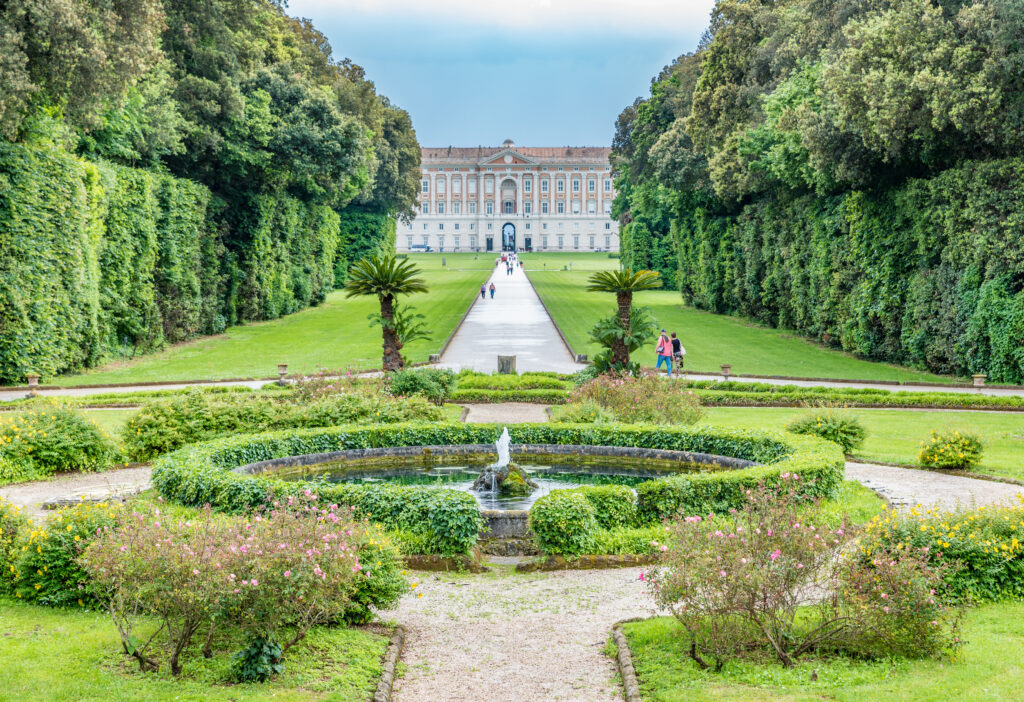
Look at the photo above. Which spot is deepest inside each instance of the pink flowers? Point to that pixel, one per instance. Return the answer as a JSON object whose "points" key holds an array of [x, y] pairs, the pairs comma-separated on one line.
{"points": [[775, 554], [287, 574]]}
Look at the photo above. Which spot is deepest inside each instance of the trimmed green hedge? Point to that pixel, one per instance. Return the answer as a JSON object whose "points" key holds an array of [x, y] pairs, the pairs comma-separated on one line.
{"points": [[563, 522], [483, 395], [449, 520]]}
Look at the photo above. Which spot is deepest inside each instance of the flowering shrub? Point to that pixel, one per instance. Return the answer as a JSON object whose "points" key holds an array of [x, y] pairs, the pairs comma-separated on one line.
{"points": [[38, 443], [845, 430], [736, 582], [582, 412], [896, 601], [46, 569], [641, 399], [12, 521], [162, 426], [951, 449], [563, 522], [380, 583], [773, 577], [987, 545], [281, 572]]}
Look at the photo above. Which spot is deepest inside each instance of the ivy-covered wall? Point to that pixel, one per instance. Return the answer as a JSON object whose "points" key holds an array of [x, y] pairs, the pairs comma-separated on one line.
{"points": [[929, 274], [96, 258], [363, 233]]}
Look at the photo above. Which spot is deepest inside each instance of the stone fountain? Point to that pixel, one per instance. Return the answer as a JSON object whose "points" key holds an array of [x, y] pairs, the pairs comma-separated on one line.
{"points": [[504, 477]]}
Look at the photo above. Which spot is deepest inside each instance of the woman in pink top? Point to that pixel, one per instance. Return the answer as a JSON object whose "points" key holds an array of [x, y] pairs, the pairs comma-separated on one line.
{"points": [[664, 350]]}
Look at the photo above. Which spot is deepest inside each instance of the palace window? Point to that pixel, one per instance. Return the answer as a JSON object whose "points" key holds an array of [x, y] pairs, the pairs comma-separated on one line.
{"points": [[575, 242], [527, 226], [425, 186], [472, 208], [591, 242], [528, 185], [544, 241], [489, 209], [560, 207], [591, 186], [440, 186], [440, 207], [440, 226], [607, 225], [528, 207], [575, 225], [544, 226], [457, 238], [607, 242], [472, 186], [507, 207], [490, 226], [591, 207], [425, 207], [607, 185], [426, 240], [544, 185], [472, 242], [575, 185], [489, 185], [575, 206], [424, 227], [456, 226], [544, 207], [457, 186], [561, 242], [560, 185], [440, 241], [607, 207], [456, 207], [410, 241]]}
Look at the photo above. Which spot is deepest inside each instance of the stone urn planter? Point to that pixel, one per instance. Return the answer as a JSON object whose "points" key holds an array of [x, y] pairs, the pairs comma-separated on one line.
{"points": [[979, 380], [726, 370], [282, 371]]}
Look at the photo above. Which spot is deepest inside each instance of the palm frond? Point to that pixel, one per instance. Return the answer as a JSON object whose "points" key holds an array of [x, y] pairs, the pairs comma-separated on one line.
{"points": [[383, 275], [623, 281]]}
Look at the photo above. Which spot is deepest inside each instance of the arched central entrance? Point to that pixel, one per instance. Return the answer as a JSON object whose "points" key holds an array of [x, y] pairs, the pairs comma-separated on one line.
{"points": [[508, 237]]}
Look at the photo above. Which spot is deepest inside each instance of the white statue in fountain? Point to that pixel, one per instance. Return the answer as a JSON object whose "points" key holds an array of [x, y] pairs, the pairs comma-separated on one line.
{"points": [[503, 476]]}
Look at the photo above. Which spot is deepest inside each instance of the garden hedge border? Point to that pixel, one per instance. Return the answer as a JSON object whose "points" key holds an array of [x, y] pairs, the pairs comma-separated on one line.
{"points": [[450, 521]]}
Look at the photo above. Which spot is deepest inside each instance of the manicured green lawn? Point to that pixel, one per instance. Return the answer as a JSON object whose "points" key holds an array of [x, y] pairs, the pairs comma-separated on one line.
{"points": [[989, 667], [334, 335], [68, 655], [710, 339], [894, 436]]}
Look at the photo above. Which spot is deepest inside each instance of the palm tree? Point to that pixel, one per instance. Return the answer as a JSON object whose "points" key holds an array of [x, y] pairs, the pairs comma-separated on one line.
{"points": [[623, 284], [385, 276]]}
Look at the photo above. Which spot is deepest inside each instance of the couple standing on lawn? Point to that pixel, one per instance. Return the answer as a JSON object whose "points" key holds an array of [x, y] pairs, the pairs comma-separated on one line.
{"points": [[669, 349]]}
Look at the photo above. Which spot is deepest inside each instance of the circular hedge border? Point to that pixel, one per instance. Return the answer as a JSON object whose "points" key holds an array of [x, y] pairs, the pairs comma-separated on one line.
{"points": [[449, 521]]}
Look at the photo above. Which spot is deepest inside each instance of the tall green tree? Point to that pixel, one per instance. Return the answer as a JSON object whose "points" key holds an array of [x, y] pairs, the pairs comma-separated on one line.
{"points": [[386, 277]]}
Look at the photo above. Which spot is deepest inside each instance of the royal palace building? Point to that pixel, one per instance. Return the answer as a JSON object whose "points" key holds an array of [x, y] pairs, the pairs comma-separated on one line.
{"points": [[513, 199]]}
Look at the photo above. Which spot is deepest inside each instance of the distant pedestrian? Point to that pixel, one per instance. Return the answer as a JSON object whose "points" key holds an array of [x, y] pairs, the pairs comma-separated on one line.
{"points": [[664, 351], [492, 291], [483, 291], [678, 351]]}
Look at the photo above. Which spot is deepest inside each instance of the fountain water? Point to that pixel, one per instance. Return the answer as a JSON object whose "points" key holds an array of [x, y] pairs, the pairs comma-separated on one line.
{"points": [[495, 477]]}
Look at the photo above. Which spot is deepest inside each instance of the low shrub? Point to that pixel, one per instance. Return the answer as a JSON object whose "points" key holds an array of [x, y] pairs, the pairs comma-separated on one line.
{"points": [[12, 522], [38, 443], [46, 568], [380, 583], [563, 522], [738, 585], [950, 449], [843, 429], [508, 381], [582, 412], [614, 505], [485, 395], [640, 541], [162, 426], [987, 545], [435, 384], [641, 399]]}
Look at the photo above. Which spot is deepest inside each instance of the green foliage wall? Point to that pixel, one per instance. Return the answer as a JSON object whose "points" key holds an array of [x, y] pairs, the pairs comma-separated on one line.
{"points": [[363, 233], [49, 297], [930, 273], [95, 258]]}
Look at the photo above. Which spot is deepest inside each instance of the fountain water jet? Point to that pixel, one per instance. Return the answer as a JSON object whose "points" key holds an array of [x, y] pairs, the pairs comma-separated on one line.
{"points": [[504, 477]]}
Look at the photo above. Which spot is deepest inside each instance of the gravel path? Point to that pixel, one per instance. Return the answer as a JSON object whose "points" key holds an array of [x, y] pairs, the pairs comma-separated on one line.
{"points": [[906, 487], [507, 637], [123, 481], [507, 412]]}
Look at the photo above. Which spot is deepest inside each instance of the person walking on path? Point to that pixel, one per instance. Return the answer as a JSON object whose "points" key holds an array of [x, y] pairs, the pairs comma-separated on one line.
{"points": [[664, 350], [492, 291], [483, 290], [678, 351]]}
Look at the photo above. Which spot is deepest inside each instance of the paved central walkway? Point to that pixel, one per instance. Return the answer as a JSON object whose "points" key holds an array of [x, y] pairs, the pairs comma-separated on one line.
{"points": [[513, 323]]}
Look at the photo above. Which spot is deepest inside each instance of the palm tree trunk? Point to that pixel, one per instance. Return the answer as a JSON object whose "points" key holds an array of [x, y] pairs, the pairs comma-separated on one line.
{"points": [[620, 352], [392, 344]]}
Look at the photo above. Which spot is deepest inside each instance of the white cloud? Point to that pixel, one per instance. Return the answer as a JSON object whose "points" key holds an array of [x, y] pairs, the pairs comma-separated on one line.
{"points": [[608, 16]]}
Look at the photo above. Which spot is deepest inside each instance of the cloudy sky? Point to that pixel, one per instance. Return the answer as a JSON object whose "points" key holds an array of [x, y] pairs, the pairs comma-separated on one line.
{"points": [[540, 72]]}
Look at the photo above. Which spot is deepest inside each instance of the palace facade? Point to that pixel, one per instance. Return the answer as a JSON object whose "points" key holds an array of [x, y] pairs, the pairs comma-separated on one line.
{"points": [[513, 199]]}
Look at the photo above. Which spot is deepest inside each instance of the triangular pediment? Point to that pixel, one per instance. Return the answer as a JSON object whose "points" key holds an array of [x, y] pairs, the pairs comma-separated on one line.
{"points": [[514, 159]]}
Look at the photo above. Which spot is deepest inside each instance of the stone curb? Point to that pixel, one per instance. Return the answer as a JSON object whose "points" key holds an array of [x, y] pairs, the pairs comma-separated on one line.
{"points": [[552, 563], [630, 685], [434, 563], [464, 414], [387, 677]]}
